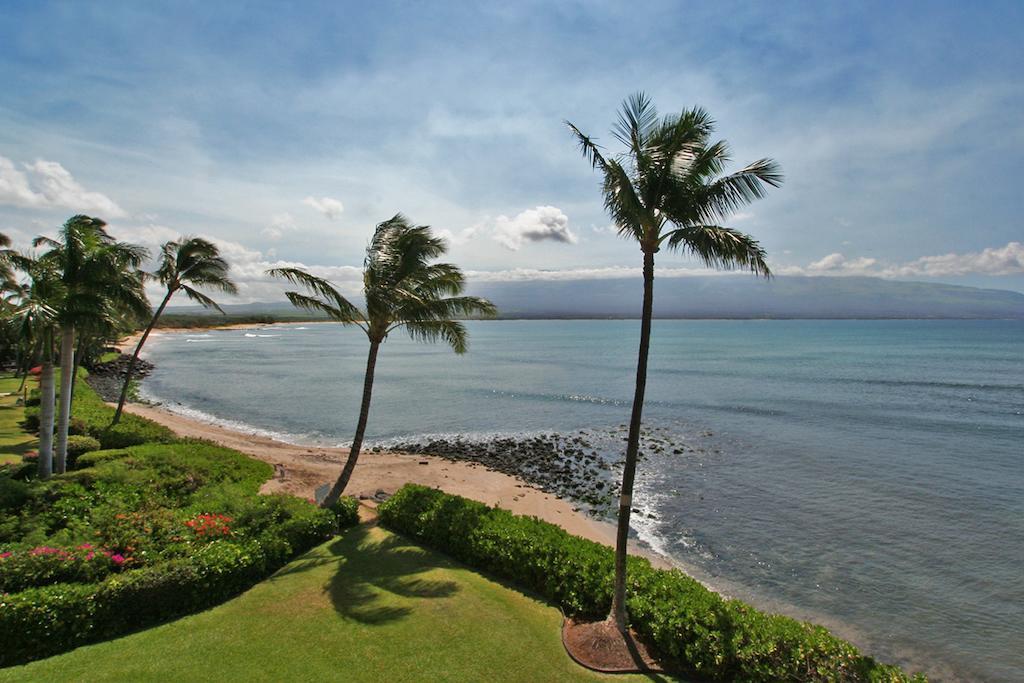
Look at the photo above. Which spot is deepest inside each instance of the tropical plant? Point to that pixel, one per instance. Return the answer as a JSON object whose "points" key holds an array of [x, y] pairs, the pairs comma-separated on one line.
{"points": [[37, 319], [185, 264], [7, 280], [667, 188], [402, 288], [101, 281]]}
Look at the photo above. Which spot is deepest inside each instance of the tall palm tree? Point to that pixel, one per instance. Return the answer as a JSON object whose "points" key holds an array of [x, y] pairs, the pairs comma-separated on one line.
{"points": [[667, 188], [6, 273], [185, 263], [402, 288], [38, 320], [101, 280]]}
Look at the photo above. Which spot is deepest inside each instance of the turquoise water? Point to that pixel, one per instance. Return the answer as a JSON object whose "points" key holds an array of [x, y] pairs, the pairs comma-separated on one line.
{"points": [[864, 474]]}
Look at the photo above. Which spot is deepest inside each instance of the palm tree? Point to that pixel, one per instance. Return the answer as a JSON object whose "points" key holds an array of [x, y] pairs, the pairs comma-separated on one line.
{"points": [[38, 322], [668, 188], [6, 273], [190, 260], [402, 288], [101, 281]]}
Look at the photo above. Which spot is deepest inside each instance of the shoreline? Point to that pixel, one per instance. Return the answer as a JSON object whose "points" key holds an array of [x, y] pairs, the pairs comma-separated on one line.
{"points": [[307, 466], [299, 470]]}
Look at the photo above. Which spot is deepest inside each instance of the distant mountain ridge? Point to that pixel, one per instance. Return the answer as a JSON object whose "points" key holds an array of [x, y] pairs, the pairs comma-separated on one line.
{"points": [[729, 296]]}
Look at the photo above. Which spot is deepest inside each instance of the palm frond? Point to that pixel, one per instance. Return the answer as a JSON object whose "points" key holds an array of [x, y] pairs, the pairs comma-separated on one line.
{"points": [[718, 247], [637, 121], [730, 193], [449, 331], [325, 298], [200, 298], [590, 149], [622, 203]]}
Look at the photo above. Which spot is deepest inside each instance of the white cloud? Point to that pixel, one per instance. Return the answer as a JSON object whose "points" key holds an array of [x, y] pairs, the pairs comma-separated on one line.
{"points": [[279, 225], [610, 272], [461, 237], [543, 223], [1005, 260], [47, 184], [331, 208]]}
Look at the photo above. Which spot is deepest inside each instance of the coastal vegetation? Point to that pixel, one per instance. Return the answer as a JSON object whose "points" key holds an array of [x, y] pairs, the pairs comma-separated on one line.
{"points": [[402, 288], [668, 189], [185, 264], [138, 534], [98, 281], [706, 634]]}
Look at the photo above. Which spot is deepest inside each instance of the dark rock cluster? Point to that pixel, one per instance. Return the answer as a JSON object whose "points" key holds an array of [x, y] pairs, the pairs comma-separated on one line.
{"points": [[107, 378], [566, 466], [585, 466]]}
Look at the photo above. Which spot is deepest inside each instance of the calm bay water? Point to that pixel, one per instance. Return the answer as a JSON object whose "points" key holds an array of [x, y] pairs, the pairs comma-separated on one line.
{"points": [[868, 475]]}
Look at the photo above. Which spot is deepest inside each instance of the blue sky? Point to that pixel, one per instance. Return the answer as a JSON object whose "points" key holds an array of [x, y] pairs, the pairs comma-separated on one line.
{"points": [[288, 132]]}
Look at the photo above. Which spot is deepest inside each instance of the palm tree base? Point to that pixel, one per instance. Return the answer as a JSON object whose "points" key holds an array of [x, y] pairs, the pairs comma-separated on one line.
{"points": [[601, 646]]}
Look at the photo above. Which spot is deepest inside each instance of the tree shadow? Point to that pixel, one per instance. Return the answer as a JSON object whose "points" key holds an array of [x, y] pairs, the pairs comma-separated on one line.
{"points": [[375, 569]]}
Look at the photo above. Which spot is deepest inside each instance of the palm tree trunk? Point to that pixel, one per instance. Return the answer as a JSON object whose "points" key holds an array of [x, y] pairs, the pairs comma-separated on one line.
{"points": [[357, 440], [46, 401], [618, 611], [135, 358], [74, 373], [67, 373], [27, 364]]}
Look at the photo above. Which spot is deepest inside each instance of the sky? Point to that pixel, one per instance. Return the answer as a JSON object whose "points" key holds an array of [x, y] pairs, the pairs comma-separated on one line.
{"points": [[287, 133]]}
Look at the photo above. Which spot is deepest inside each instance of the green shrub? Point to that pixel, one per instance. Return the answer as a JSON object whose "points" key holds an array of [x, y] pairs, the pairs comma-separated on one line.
{"points": [[79, 446], [13, 493], [28, 568], [44, 621], [346, 512], [30, 423], [716, 638], [95, 457]]}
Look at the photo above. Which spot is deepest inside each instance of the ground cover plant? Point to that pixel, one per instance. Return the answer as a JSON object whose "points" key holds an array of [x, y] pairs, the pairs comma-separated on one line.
{"points": [[715, 638]]}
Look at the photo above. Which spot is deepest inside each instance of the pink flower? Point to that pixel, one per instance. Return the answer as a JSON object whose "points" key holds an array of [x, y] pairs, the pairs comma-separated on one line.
{"points": [[5, 555], [117, 559], [85, 546]]}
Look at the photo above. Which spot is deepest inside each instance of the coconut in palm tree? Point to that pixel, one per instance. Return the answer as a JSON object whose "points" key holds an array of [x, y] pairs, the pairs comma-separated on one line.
{"points": [[667, 188], [185, 265], [403, 288]]}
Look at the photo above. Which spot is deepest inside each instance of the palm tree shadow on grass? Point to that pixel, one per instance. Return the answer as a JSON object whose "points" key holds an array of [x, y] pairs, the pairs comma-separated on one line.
{"points": [[374, 569]]}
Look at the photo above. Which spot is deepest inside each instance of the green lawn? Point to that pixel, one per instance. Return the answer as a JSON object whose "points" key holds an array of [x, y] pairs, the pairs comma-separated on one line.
{"points": [[367, 606], [13, 441]]}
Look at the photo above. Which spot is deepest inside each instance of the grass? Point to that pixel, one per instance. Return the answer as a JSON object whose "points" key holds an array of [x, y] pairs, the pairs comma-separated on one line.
{"points": [[13, 441], [367, 606]]}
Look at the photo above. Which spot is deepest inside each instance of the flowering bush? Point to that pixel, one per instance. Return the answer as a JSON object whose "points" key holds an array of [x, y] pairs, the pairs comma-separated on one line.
{"points": [[143, 534], [44, 565], [209, 525]]}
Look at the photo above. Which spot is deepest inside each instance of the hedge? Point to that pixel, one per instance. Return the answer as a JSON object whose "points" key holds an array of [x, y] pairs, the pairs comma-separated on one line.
{"points": [[716, 638]]}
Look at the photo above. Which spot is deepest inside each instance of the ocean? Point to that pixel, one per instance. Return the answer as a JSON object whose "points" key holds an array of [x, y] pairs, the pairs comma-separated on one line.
{"points": [[866, 475]]}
